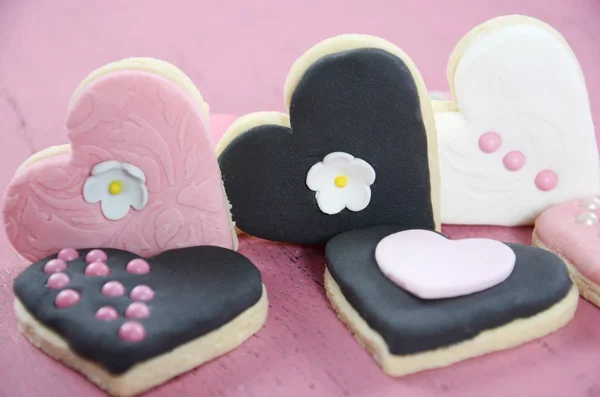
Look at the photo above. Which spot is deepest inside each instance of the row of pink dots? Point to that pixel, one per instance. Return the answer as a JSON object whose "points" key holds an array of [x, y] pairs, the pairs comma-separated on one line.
{"points": [[515, 160], [130, 331]]}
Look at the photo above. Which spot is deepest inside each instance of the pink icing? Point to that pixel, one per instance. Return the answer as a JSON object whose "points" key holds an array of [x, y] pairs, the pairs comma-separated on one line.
{"points": [[55, 265], [138, 118], [546, 180], [66, 298], [107, 313], [68, 254], [137, 310], [561, 230], [96, 256], [514, 161], [58, 281], [113, 288], [132, 331], [489, 142], [430, 266], [138, 266], [142, 293], [97, 269]]}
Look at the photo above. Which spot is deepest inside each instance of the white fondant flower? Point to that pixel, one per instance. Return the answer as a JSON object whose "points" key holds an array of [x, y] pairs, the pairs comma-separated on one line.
{"points": [[117, 186], [341, 181]]}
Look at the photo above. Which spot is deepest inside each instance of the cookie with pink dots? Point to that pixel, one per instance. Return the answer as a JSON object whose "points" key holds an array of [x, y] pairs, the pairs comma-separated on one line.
{"points": [[128, 323], [572, 231], [139, 173], [518, 135]]}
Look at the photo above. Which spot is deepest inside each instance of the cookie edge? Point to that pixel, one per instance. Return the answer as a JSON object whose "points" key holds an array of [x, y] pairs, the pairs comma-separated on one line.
{"points": [[155, 371], [588, 290], [505, 337]]}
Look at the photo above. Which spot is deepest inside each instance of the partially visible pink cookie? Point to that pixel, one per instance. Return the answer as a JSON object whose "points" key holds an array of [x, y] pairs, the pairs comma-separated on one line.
{"points": [[572, 230], [140, 173]]}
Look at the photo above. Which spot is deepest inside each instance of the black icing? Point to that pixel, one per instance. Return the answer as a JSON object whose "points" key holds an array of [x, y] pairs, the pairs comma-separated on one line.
{"points": [[412, 325], [198, 290], [363, 102]]}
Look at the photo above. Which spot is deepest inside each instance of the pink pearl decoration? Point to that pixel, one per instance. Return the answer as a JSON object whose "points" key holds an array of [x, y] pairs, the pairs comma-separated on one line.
{"points": [[97, 269], [142, 293], [137, 310], [58, 281], [66, 298], [138, 266], [107, 313], [546, 180], [68, 254], [55, 266], [489, 142], [113, 288], [96, 256], [514, 161], [132, 331]]}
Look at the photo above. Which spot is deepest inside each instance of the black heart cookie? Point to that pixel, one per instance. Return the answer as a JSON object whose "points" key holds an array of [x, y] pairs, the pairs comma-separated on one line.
{"points": [[408, 333], [358, 149], [129, 324]]}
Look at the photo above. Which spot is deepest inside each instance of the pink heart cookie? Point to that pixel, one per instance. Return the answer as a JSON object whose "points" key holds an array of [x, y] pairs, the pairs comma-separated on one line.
{"points": [[572, 230], [431, 266], [140, 144]]}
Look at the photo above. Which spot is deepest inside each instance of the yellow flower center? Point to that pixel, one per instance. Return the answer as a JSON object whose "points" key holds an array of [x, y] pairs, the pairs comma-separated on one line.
{"points": [[341, 181], [115, 187]]}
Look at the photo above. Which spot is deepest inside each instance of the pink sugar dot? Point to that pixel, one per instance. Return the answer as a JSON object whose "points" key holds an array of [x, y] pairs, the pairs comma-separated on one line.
{"points": [[546, 180], [142, 293], [58, 281], [107, 313], [132, 331], [96, 256], [55, 266], [97, 269], [489, 142], [66, 298], [68, 254], [137, 310], [514, 161], [138, 266], [113, 288]]}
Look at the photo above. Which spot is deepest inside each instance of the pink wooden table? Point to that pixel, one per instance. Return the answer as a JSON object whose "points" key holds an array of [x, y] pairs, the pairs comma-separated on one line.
{"points": [[238, 55]]}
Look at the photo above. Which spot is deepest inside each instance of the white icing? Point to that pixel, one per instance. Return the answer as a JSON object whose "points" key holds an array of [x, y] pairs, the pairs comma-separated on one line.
{"points": [[116, 206], [521, 82], [587, 218], [332, 199]]}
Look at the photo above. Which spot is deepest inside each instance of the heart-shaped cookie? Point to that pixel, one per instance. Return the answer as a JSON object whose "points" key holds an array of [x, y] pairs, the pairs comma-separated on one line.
{"points": [[408, 334], [129, 324], [572, 230], [358, 148], [431, 266], [139, 174], [519, 136]]}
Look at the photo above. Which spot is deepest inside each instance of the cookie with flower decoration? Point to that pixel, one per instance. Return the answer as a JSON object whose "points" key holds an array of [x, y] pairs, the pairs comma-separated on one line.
{"points": [[139, 172], [129, 323], [357, 149]]}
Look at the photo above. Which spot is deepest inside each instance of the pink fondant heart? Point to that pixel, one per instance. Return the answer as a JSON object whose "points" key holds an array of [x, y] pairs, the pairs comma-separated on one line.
{"points": [[143, 119], [430, 266]]}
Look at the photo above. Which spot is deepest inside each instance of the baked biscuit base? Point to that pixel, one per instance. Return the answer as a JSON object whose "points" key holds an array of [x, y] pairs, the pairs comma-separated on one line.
{"points": [[154, 371], [589, 290], [505, 337]]}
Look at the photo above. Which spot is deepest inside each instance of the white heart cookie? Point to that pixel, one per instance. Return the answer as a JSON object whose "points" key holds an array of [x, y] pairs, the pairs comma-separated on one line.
{"points": [[518, 136]]}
